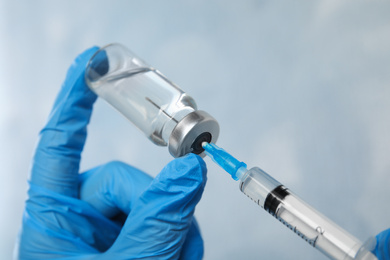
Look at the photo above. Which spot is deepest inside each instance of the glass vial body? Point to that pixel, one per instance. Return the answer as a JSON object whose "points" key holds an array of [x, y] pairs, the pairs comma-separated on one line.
{"points": [[148, 99]]}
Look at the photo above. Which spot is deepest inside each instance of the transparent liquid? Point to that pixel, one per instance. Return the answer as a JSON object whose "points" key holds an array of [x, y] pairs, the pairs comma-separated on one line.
{"points": [[306, 222], [316, 229], [146, 98]]}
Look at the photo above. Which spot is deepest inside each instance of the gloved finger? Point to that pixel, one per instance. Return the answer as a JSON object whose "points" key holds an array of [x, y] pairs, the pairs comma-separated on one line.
{"points": [[56, 161], [382, 249], [56, 225], [160, 219], [193, 245], [112, 188]]}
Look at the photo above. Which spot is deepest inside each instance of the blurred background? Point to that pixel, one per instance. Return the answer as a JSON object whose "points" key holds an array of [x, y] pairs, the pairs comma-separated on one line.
{"points": [[301, 90]]}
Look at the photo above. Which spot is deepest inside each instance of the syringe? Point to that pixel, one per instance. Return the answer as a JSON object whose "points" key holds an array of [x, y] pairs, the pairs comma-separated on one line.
{"points": [[289, 209]]}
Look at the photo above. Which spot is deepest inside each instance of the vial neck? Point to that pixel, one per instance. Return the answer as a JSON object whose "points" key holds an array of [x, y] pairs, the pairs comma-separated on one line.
{"points": [[172, 122]]}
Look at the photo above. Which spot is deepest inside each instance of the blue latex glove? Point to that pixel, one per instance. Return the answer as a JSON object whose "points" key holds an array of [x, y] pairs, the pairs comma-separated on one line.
{"points": [[110, 212], [382, 249]]}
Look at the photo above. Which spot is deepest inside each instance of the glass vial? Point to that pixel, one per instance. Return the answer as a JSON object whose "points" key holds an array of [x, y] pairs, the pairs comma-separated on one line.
{"points": [[159, 108]]}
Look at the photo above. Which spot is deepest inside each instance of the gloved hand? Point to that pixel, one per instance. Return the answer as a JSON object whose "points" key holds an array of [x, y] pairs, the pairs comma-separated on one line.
{"points": [[113, 211], [382, 249]]}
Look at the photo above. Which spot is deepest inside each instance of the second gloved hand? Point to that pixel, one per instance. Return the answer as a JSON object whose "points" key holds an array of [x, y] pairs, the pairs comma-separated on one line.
{"points": [[382, 249]]}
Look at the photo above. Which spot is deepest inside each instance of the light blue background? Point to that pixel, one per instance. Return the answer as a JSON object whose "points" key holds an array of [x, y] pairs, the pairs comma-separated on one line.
{"points": [[300, 89]]}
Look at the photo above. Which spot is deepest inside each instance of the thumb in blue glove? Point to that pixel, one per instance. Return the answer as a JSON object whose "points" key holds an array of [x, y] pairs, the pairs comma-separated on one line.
{"points": [[113, 211], [160, 218]]}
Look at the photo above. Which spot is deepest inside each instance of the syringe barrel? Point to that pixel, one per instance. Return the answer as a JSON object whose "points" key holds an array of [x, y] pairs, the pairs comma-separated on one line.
{"points": [[305, 221]]}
